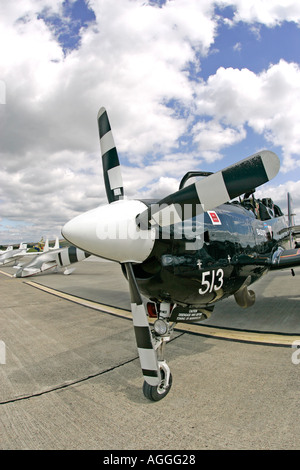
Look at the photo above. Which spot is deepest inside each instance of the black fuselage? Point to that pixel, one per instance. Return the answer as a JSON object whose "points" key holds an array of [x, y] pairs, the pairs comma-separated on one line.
{"points": [[209, 257]]}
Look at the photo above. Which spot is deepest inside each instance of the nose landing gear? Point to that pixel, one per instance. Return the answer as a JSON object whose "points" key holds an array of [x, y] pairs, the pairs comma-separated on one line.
{"points": [[161, 334]]}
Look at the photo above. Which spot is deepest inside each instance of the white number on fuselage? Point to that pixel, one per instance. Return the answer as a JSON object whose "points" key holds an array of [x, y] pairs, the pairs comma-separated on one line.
{"points": [[211, 280]]}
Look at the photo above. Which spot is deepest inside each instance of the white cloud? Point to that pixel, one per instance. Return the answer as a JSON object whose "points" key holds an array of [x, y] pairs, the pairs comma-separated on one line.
{"points": [[211, 137], [134, 60], [279, 195], [237, 47], [49, 129], [269, 13], [267, 102]]}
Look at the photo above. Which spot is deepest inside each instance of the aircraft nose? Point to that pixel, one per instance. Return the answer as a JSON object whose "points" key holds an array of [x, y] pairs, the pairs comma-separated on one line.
{"points": [[111, 232], [81, 231]]}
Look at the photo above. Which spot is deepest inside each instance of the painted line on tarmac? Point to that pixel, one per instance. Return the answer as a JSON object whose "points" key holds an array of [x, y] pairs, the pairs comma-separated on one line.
{"points": [[85, 302], [6, 274], [254, 337]]}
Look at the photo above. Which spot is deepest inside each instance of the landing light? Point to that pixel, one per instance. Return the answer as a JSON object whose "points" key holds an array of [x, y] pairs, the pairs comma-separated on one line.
{"points": [[160, 327]]}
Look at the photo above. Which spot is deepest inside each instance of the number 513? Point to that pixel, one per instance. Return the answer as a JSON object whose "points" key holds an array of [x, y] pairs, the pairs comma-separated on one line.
{"points": [[215, 283]]}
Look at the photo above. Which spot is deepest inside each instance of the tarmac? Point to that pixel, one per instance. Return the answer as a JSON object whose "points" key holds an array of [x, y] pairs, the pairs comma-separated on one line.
{"points": [[70, 378]]}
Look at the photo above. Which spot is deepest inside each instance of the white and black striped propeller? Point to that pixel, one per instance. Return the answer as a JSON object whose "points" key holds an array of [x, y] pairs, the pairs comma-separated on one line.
{"points": [[214, 190], [114, 191], [114, 231], [110, 160]]}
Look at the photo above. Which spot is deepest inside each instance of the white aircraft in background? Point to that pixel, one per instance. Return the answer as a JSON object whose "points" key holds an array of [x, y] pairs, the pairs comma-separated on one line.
{"points": [[47, 247], [11, 256], [52, 259], [7, 249]]}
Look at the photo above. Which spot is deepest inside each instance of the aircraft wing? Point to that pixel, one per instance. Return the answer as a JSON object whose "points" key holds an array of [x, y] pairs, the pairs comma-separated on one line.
{"points": [[11, 259], [287, 259], [49, 265], [295, 229], [30, 271], [281, 259]]}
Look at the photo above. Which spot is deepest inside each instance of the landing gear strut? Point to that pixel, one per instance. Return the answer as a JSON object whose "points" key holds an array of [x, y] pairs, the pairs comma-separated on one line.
{"points": [[161, 334]]}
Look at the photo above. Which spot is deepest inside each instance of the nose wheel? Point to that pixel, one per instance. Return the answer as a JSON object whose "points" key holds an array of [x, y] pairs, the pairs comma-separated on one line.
{"points": [[157, 392]]}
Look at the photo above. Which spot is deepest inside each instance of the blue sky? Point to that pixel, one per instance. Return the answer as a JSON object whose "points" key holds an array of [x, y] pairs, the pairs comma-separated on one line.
{"points": [[78, 14], [241, 46], [187, 85]]}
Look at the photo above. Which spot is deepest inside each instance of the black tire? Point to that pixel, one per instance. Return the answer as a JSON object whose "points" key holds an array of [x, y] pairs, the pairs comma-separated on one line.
{"points": [[156, 393]]}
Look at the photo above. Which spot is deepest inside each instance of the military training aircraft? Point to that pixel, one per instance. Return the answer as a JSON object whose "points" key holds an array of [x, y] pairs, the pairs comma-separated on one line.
{"points": [[11, 256], [52, 259], [187, 251]]}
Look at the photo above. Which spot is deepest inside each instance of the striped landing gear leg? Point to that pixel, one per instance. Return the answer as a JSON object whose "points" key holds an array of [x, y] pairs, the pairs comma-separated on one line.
{"points": [[156, 372], [161, 335]]}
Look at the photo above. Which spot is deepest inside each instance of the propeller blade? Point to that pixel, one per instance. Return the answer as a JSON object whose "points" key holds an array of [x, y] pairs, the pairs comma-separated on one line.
{"points": [[213, 190], [110, 160], [147, 354]]}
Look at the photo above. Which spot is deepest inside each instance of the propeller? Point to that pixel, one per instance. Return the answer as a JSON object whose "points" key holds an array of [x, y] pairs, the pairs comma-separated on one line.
{"points": [[111, 226], [124, 230], [212, 191], [110, 160], [114, 191]]}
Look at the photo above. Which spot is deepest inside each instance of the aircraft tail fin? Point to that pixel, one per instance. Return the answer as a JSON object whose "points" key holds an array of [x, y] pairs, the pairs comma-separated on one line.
{"points": [[46, 246], [290, 210], [293, 229], [56, 246]]}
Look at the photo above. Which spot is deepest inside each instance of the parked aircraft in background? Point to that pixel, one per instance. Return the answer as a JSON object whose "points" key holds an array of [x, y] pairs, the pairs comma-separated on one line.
{"points": [[7, 249], [53, 259], [11, 256], [47, 247]]}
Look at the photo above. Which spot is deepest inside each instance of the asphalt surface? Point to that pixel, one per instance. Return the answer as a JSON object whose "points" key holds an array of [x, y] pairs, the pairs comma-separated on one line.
{"points": [[72, 379]]}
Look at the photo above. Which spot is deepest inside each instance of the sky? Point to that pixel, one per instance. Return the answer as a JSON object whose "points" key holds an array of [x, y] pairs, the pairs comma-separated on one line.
{"points": [[187, 85]]}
